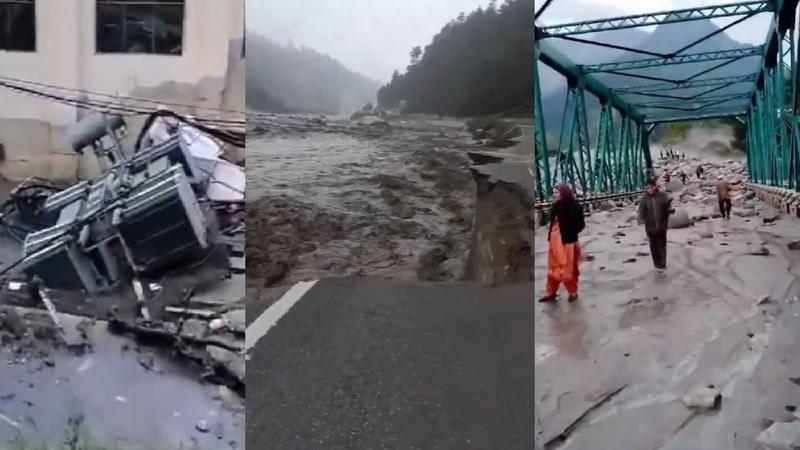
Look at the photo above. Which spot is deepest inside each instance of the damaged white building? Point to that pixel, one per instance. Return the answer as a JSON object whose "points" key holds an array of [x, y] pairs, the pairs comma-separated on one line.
{"points": [[187, 52]]}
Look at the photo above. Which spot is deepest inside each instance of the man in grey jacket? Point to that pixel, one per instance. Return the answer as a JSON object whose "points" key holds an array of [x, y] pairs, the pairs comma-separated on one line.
{"points": [[655, 207]]}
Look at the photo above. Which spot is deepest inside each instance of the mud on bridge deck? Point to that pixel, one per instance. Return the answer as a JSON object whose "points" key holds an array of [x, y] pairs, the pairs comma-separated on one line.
{"points": [[637, 361]]}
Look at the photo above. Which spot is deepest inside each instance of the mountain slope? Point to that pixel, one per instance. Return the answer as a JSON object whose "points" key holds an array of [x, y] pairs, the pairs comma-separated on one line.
{"points": [[477, 64], [288, 79]]}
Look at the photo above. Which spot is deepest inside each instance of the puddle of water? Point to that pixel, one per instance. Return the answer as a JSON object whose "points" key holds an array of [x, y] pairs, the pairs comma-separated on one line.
{"points": [[120, 401]]}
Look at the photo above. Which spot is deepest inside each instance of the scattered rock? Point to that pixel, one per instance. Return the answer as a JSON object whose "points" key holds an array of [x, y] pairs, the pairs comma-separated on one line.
{"points": [[769, 215], [780, 436], [745, 213], [680, 219], [758, 250], [703, 398], [794, 245], [202, 426]]}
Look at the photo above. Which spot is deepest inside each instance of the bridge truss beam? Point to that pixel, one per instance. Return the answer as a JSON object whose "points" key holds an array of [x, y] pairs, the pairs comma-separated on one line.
{"points": [[691, 58], [619, 160], [658, 18]]}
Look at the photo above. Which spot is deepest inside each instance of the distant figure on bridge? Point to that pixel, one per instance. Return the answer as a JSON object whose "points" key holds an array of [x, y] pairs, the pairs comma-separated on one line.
{"points": [[724, 189], [700, 171], [563, 256], [655, 208]]}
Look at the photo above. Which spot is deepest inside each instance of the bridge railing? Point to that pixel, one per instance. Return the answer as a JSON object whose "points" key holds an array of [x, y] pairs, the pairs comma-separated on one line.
{"points": [[591, 200]]}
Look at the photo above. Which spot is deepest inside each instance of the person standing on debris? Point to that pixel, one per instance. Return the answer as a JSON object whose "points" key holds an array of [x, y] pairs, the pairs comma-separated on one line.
{"points": [[563, 256], [683, 177], [655, 207], [700, 171], [724, 197]]}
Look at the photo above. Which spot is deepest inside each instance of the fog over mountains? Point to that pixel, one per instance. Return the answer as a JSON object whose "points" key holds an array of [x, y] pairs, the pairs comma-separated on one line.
{"points": [[284, 78], [664, 39]]}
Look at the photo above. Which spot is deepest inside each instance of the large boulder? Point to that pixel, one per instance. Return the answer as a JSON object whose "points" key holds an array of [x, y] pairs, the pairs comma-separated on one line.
{"points": [[780, 436], [769, 214], [680, 219], [373, 121]]}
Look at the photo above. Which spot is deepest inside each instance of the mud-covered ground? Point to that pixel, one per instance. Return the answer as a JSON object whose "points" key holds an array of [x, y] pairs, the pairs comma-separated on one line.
{"points": [[623, 366], [333, 198], [123, 383]]}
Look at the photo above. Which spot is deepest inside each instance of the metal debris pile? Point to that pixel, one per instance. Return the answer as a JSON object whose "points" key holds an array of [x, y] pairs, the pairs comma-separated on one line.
{"points": [[160, 224]]}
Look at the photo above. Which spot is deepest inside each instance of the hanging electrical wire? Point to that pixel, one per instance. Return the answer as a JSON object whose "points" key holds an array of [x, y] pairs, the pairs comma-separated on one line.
{"points": [[234, 136]]}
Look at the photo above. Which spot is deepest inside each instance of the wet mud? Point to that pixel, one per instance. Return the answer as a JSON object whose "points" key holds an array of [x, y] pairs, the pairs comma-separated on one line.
{"points": [[334, 198], [156, 390], [104, 388], [722, 315]]}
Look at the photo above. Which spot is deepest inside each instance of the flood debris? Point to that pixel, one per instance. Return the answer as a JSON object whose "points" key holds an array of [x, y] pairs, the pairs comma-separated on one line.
{"points": [[164, 220], [780, 436], [704, 398]]}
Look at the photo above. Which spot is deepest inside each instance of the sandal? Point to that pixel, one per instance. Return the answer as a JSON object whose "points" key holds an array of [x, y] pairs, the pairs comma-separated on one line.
{"points": [[548, 299], [572, 298]]}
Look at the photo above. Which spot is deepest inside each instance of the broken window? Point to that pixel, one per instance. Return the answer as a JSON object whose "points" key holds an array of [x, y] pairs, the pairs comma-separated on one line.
{"points": [[18, 25], [138, 26]]}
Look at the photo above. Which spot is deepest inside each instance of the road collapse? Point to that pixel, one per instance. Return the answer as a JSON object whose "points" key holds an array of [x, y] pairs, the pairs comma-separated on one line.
{"points": [[153, 248]]}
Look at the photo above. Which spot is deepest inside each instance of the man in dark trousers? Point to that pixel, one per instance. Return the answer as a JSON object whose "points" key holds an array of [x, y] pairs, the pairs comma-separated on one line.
{"points": [[655, 206], [724, 189]]}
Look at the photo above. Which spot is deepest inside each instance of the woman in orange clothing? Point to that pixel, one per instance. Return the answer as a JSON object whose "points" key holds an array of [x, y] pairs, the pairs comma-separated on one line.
{"points": [[563, 256]]}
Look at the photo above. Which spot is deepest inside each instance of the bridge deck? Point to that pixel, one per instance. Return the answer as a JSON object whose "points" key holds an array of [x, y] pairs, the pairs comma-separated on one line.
{"points": [[613, 367]]}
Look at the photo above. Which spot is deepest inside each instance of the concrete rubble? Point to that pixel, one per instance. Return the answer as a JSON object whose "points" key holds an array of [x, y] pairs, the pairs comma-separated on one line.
{"points": [[152, 249]]}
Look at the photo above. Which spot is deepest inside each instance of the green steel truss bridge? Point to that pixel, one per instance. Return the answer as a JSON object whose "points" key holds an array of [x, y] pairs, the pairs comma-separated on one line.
{"points": [[617, 158]]}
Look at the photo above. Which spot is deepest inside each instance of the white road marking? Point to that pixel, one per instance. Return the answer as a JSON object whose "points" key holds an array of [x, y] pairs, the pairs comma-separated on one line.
{"points": [[273, 314]]}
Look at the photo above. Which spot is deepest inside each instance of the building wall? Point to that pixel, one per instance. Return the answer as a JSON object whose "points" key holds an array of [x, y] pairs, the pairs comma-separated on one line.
{"points": [[32, 130]]}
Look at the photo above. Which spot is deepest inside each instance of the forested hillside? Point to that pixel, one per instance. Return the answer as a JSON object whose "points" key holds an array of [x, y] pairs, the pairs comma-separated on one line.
{"points": [[283, 78], [479, 63]]}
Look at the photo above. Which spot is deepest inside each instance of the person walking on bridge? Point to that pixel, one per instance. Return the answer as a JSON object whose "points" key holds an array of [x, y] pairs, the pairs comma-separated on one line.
{"points": [[724, 189], [563, 255], [655, 207]]}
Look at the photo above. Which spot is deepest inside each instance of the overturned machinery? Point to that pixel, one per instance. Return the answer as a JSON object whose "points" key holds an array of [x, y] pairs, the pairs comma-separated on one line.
{"points": [[141, 215]]}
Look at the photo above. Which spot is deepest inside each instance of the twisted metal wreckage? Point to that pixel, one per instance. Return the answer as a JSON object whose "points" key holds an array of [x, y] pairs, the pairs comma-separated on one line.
{"points": [[618, 162], [164, 204]]}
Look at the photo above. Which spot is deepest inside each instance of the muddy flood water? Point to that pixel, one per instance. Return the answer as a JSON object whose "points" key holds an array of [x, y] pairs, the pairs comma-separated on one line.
{"points": [[332, 198]]}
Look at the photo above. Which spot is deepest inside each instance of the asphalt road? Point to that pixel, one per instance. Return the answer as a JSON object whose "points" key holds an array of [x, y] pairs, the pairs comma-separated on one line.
{"points": [[361, 363]]}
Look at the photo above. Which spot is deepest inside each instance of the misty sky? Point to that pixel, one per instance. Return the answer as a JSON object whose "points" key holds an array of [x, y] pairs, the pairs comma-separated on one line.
{"points": [[371, 37], [751, 31]]}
